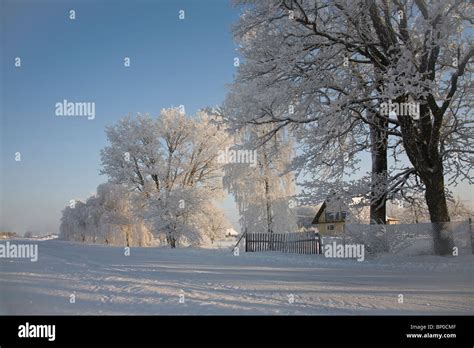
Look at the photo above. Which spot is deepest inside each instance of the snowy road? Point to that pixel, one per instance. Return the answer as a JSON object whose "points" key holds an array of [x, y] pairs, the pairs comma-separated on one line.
{"points": [[153, 280]]}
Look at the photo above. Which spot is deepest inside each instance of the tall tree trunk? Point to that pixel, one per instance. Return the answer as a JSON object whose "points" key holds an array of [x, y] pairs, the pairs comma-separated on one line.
{"points": [[422, 148], [171, 240], [269, 207], [437, 206], [431, 173], [378, 206], [436, 197], [267, 192]]}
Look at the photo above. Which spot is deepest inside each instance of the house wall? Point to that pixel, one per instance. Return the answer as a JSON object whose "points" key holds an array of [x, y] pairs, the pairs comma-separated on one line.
{"points": [[323, 228]]}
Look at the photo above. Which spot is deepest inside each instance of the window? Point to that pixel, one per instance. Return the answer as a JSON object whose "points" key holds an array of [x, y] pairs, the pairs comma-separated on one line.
{"points": [[336, 216], [344, 215], [330, 227], [330, 217]]}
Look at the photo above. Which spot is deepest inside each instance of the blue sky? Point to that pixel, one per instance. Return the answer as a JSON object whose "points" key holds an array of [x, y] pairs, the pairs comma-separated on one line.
{"points": [[173, 62]]}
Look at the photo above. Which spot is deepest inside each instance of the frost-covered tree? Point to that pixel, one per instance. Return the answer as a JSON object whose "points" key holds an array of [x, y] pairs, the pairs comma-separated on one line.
{"points": [[338, 63], [105, 218], [262, 189], [73, 222], [213, 221], [290, 77], [459, 210], [171, 163], [416, 210]]}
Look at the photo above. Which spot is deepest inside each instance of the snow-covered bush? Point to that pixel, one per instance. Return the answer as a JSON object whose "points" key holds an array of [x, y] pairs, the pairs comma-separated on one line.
{"points": [[105, 218], [407, 239], [73, 222], [373, 237]]}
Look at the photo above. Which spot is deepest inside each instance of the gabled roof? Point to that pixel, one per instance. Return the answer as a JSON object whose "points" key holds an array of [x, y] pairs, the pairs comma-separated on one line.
{"points": [[319, 213]]}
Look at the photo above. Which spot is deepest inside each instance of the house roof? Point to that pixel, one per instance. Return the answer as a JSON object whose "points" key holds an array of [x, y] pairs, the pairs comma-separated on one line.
{"points": [[323, 207], [319, 213]]}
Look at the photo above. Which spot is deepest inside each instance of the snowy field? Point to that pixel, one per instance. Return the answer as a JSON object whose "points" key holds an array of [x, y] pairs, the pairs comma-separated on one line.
{"points": [[151, 281]]}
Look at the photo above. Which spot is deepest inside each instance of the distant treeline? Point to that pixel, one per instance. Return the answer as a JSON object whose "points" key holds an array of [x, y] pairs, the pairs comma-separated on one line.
{"points": [[4, 235]]}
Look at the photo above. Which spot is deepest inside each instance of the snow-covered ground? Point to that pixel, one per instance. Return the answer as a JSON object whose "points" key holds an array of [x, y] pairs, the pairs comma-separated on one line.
{"points": [[152, 280]]}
